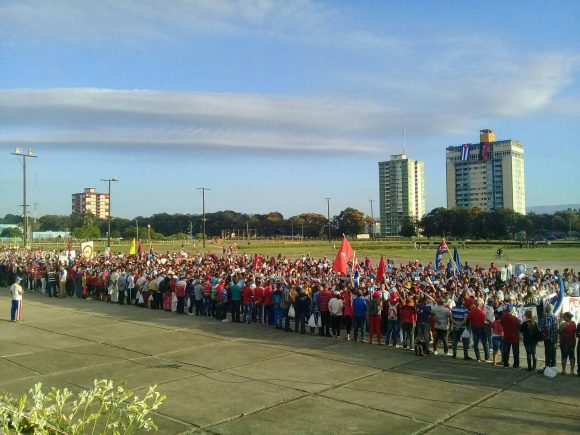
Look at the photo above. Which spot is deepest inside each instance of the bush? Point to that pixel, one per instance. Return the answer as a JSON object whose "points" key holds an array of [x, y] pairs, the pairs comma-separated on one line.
{"points": [[103, 409]]}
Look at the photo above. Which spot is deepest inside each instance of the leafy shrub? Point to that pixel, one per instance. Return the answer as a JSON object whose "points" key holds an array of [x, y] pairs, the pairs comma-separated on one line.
{"points": [[103, 409]]}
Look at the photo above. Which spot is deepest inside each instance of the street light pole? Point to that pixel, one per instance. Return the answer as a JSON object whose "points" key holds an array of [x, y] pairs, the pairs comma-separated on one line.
{"points": [[203, 189], [149, 233], [137, 225], [372, 221], [108, 181], [328, 215], [30, 153]]}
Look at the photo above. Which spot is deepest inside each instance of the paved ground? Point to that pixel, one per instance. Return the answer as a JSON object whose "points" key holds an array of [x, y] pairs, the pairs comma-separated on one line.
{"points": [[229, 378]]}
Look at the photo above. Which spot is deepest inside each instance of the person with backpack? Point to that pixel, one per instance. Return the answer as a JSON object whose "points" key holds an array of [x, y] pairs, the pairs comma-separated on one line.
{"points": [[393, 307], [375, 309], [531, 334]]}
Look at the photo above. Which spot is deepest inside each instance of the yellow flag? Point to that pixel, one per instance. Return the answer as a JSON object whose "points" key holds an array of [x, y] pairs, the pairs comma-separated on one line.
{"points": [[133, 249]]}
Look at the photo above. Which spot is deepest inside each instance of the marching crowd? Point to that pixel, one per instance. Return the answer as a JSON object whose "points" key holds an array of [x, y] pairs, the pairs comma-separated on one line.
{"points": [[411, 305]]}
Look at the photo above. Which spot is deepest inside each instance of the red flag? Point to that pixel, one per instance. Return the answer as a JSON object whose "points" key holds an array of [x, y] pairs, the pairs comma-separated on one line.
{"points": [[257, 262], [344, 254], [381, 270], [140, 249], [69, 247]]}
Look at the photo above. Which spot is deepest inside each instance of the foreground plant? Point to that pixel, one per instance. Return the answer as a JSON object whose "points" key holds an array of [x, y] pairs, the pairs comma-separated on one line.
{"points": [[104, 409]]}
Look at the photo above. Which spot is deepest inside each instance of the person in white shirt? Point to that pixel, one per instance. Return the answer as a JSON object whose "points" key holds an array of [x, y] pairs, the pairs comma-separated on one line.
{"points": [[16, 292], [335, 306]]}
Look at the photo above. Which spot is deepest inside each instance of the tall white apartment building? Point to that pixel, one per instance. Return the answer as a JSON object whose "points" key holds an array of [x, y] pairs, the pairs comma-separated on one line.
{"points": [[487, 175], [401, 193]]}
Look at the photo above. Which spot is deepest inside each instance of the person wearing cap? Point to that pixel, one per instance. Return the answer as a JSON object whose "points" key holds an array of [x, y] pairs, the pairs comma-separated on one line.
{"points": [[511, 336], [567, 333], [16, 292]]}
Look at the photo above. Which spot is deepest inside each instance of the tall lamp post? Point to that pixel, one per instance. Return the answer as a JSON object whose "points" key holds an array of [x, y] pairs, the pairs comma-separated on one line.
{"points": [[202, 190], [328, 215], [372, 220], [149, 233], [108, 181], [19, 153]]}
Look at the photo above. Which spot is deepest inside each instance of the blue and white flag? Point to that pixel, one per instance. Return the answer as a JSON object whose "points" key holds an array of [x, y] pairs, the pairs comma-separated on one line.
{"points": [[456, 260], [465, 151]]}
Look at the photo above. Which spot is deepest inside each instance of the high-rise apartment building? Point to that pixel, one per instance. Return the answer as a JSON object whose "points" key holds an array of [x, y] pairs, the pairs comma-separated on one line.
{"points": [[401, 193], [488, 175], [92, 202]]}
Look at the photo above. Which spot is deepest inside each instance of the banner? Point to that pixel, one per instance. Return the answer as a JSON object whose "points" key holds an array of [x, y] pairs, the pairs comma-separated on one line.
{"points": [[572, 305], [521, 311], [87, 249]]}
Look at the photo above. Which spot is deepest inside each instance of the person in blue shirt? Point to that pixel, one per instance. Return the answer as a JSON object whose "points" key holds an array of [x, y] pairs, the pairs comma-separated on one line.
{"points": [[459, 319], [359, 306], [423, 324]]}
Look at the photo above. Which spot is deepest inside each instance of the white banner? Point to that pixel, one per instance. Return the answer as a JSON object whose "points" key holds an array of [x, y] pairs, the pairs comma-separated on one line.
{"points": [[521, 311], [572, 305]]}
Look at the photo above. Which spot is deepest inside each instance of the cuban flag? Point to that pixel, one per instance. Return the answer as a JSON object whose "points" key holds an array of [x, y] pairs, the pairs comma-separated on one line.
{"points": [[559, 298], [465, 151], [442, 249], [456, 260], [483, 150]]}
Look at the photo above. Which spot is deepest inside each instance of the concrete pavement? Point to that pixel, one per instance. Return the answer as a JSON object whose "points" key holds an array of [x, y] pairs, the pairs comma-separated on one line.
{"points": [[241, 379]]}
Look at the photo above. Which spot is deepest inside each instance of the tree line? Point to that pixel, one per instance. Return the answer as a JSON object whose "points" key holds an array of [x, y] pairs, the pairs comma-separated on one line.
{"points": [[440, 222]]}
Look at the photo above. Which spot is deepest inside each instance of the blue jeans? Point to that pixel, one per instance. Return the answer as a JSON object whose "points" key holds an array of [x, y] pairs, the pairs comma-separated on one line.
{"points": [[359, 324], [14, 310], [531, 354], [207, 306], [480, 335], [268, 314], [258, 313], [465, 341], [278, 315], [393, 331], [248, 312]]}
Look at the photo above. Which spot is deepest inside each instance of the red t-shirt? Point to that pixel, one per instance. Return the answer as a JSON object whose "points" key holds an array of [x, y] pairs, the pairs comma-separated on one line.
{"points": [[476, 317], [568, 334], [246, 295], [259, 295], [511, 328], [268, 296]]}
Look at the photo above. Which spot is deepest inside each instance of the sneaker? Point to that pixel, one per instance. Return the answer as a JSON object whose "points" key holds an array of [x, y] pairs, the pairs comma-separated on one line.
{"points": [[447, 354], [488, 361], [225, 320], [467, 358], [435, 352]]}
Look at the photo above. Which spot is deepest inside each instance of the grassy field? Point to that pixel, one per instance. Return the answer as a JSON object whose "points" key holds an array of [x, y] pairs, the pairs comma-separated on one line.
{"points": [[561, 254]]}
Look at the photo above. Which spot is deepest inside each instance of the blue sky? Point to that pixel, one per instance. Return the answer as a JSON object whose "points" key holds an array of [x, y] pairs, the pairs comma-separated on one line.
{"points": [[276, 104]]}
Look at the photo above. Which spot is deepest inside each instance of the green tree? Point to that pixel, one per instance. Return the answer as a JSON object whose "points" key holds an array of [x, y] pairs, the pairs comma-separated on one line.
{"points": [[350, 221], [87, 232], [11, 232]]}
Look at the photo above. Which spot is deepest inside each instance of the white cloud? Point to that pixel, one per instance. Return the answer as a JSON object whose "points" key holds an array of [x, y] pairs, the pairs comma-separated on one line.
{"points": [[141, 117]]}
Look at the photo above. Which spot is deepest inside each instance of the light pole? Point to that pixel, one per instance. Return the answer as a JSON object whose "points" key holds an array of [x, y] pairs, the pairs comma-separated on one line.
{"points": [[328, 215], [137, 226], [149, 233], [30, 153], [372, 220], [108, 181], [203, 189]]}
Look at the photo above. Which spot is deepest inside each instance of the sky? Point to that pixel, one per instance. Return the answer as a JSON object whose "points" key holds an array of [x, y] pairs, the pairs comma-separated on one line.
{"points": [[276, 104]]}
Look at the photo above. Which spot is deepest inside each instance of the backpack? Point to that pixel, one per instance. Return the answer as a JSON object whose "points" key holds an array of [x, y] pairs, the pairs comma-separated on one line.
{"points": [[374, 307], [286, 298], [392, 313]]}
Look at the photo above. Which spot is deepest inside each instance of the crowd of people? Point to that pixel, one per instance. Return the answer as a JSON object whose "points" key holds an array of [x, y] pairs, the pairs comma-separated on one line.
{"points": [[481, 311]]}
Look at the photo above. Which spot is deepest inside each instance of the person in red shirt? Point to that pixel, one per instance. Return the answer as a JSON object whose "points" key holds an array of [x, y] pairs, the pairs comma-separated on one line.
{"points": [[323, 298], [268, 304], [477, 319], [347, 310], [511, 337], [408, 321], [567, 332], [247, 297], [258, 302]]}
